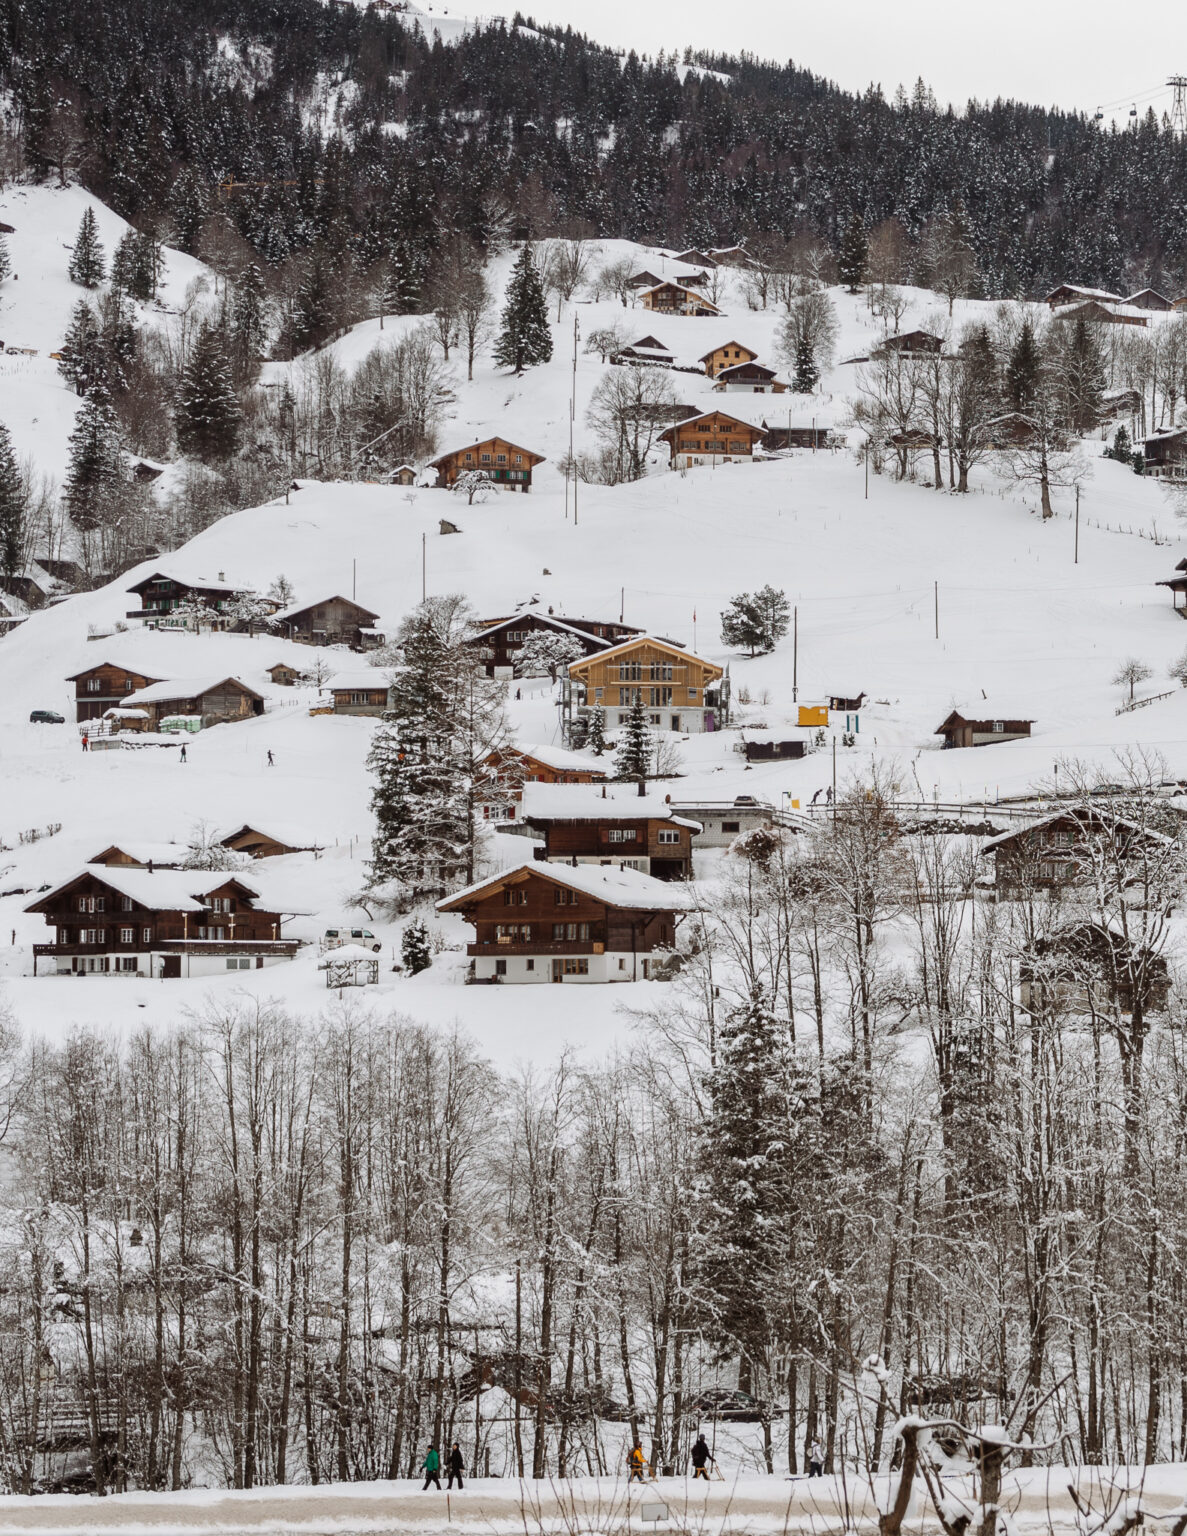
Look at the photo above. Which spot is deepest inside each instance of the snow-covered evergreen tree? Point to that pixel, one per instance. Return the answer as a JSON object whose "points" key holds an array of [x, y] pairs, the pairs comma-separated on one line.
{"points": [[94, 469], [81, 362], [14, 498], [415, 950], [208, 417], [595, 736], [86, 259], [756, 620], [632, 757], [853, 255], [547, 654], [5, 258], [524, 338], [250, 611], [248, 324]]}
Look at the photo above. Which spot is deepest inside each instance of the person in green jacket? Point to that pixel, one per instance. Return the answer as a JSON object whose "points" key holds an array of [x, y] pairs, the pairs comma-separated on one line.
{"points": [[432, 1469]]}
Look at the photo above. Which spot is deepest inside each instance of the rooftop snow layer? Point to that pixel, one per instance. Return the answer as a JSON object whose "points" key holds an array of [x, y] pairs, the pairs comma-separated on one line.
{"points": [[616, 887]]}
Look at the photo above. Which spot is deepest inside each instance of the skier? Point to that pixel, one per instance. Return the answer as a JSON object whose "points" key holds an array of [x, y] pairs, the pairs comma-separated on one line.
{"points": [[456, 1466], [183, 752], [271, 759], [431, 1469], [700, 1455], [816, 1458], [634, 1463]]}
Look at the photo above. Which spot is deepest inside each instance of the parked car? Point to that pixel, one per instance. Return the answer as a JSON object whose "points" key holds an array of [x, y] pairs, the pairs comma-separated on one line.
{"points": [[46, 717], [334, 938]]}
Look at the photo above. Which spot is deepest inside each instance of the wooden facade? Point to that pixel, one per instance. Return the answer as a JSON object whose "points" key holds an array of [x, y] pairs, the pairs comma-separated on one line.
{"points": [[502, 462], [330, 621], [508, 769], [680, 691], [591, 826], [775, 437], [549, 923], [727, 356], [1150, 298], [135, 922], [260, 843], [161, 594], [711, 438], [1054, 854], [1087, 969], [648, 349], [218, 702], [499, 641], [284, 676], [749, 379], [911, 344], [105, 686], [1072, 293], [365, 692], [958, 731], [1165, 454], [674, 299], [1097, 312]]}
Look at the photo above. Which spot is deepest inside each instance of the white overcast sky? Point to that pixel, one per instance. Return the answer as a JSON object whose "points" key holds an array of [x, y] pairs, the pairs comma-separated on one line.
{"points": [[1048, 52]]}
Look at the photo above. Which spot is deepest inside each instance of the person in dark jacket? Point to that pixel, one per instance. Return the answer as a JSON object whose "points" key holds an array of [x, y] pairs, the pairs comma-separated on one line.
{"points": [[456, 1466], [701, 1456], [432, 1469]]}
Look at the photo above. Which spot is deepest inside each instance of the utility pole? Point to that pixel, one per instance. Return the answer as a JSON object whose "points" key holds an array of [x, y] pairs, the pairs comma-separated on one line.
{"points": [[795, 654], [1076, 560], [937, 595], [834, 779], [354, 579], [424, 591], [573, 412], [867, 469]]}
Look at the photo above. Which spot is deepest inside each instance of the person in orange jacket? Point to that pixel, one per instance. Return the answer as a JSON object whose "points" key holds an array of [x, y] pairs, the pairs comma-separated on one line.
{"points": [[634, 1463]]}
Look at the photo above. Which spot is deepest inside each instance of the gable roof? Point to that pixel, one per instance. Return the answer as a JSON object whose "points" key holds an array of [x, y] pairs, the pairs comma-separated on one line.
{"points": [[752, 365], [201, 582], [625, 646], [549, 619], [690, 293], [1083, 293], [119, 666], [288, 833], [957, 716], [587, 802], [724, 416], [299, 608], [166, 890], [534, 458], [163, 855], [724, 346], [1087, 816], [186, 688], [559, 758], [625, 888]]}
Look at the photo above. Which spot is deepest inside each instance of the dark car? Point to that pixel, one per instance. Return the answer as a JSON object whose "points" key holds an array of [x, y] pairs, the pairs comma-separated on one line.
{"points": [[46, 717]]}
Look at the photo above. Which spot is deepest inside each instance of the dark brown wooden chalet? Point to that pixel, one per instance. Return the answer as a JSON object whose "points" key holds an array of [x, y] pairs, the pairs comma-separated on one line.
{"points": [[749, 379], [330, 621], [163, 923], [105, 686], [595, 825], [675, 299], [499, 641], [695, 259], [728, 355], [648, 349], [776, 437], [1088, 967], [365, 692], [1165, 453], [215, 701], [1097, 312], [138, 855], [1150, 298], [162, 593], [960, 731], [556, 923], [283, 675], [911, 344], [847, 703], [267, 843], [708, 438], [1058, 851], [1072, 293], [502, 462], [766, 748], [507, 770]]}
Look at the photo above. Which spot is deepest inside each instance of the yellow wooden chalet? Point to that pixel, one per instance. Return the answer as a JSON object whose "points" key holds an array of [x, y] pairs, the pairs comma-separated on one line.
{"points": [[710, 438], [679, 691]]}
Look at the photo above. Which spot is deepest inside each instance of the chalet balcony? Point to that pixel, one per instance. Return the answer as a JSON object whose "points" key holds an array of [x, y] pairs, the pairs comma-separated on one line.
{"points": [[540, 947], [287, 947]]}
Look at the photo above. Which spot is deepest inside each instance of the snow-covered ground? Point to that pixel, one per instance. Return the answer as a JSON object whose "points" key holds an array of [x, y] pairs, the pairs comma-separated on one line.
{"points": [[1022, 631]]}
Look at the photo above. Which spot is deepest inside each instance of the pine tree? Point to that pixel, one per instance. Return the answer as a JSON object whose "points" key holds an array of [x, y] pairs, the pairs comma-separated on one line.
{"points": [[13, 502], [1084, 376], [595, 737], [807, 374], [5, 258], [81, 362], [414, 947], [632, 758], [91, 489], [189, 205], [86, 260], [208, 417], [757, 620], [854, 254], [525, 338], [1022, 370], [248, 325]]}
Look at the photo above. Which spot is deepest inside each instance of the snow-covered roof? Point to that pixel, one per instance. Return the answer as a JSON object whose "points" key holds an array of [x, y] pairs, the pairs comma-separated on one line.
{"points": [[184, 688], [298, 608], [1085, 814], [616, 887], [1085, 293], [561, 758], [190, 579], [144, 853], [120, 666], [164, 890], [347, 952], [586, 802], [1110, 306], [725, 807], [358, 677], [544, 618], [636, 640], [292, 833]]}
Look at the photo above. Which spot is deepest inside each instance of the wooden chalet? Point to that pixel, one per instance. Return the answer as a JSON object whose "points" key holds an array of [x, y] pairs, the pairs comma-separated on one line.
{"points": [[710, 438], [1165, 453], [696, 259], [499, 641], [1150, 298], [768, 747], [508, 769], [365, 692], [847, 703], [960, 731], [330, 621], [163, 592], [721, 821], [1098, 312], [138, 855], [105, 686], [680, 691], [668, 298], [1072, 293], [776, 437], [559, 923], [1055, 853], [1179, 303], [648, 349], [910, 344], [597, 825], [727, 356], [212, 701], [1010, 430], [502, 462], [283, 675], [644, 278], [1088, 968], [158, 922], [268, 842], [749, 379], [403, 474]]}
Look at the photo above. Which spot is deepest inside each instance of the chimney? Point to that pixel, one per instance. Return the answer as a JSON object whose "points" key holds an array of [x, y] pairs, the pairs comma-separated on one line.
{"points": [[222, 576], [150, 866], [642, 789], [603, 789]]}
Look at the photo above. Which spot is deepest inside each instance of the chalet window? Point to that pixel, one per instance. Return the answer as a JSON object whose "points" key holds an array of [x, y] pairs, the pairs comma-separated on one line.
{"points": [[999, 725], [737, 445], [469, 458], [515, 898], [239, 963], [513, 933], [63, 936], [558, 933], [500, 967], [660, 672], [565, 898], [126, 963], [575, 965], [94, 685], [519, 458], [529, 964], [127, 935], [125, 903], [516, 636], [486, 458], [629, 672], [598, 695], [501, 458], [692, 693], [622, 834], [91, 903], [660, 696], [731, 826], [668, 835], [95, 936], [146, 935], [217, 933], [630, 695], [1046, 871], [656, 719]]}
